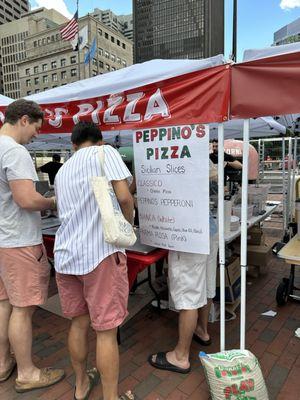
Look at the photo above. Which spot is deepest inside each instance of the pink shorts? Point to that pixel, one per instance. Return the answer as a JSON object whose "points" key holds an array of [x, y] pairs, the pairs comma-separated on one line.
{"points": [[102, 293], [24, 275]]}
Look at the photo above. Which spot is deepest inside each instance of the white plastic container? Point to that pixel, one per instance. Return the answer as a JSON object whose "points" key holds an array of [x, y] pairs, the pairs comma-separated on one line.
{"points": [[235, 223], [236, 210]]}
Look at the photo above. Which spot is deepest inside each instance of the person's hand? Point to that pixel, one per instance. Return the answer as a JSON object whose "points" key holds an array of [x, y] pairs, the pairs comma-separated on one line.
{"points": [[53, 203]]}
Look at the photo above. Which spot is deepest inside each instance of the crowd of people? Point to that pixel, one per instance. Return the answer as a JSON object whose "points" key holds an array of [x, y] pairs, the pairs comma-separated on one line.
{"points": [[91, 274]]}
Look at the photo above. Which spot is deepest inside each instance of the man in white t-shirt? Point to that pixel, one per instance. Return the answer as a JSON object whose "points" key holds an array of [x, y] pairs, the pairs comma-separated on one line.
{"points": [[24, 270], [91, 273]]}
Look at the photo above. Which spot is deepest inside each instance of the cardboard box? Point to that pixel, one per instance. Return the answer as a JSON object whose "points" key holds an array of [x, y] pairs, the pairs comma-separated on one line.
{"points": [[259, 255], [232, 281], [253, 271], [255, 236]]}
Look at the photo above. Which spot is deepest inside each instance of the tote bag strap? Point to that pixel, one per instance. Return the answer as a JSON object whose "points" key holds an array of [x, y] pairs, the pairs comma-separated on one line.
{"points": [[101, 159]]}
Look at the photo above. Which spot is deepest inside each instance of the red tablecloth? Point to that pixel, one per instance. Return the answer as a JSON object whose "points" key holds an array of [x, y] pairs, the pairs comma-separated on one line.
{"points": [[136, 262]]}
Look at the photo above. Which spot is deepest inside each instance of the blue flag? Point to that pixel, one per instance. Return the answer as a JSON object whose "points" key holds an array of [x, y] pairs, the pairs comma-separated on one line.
{"points": [[90, 54]]}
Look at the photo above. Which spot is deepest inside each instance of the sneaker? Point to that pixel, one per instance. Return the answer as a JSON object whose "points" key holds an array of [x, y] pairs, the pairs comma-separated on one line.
{"points": [[48, 377]]}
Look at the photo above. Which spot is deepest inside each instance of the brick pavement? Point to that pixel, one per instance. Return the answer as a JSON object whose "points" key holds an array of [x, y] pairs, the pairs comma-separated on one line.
{"points": [[272, 340]]}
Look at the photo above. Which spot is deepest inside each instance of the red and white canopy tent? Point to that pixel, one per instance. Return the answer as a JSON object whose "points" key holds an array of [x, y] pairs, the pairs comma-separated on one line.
{"points": [[166, 92]]}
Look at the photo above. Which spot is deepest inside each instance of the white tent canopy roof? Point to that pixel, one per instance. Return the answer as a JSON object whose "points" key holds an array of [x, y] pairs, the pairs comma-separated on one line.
{"points": [[255, 54], [124, 79], [4, 100]]}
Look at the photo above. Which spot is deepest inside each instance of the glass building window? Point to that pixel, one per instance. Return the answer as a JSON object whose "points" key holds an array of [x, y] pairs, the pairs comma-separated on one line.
{"points": [[73, 72], [73, 60], [44, 67], [36, 70], [54, 77], [53, 64], [63, 62]]}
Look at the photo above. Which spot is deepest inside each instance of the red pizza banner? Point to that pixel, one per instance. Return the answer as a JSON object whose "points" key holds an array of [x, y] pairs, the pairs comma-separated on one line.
{"points": [[201, 96], [266, 86]]}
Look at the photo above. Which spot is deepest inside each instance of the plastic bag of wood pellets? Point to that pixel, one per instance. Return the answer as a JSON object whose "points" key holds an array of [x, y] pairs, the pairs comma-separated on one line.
{"points": [[234, 375]]}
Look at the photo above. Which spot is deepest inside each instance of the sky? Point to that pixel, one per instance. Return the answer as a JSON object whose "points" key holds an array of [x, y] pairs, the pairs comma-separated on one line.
{"points": [[257, 19]]}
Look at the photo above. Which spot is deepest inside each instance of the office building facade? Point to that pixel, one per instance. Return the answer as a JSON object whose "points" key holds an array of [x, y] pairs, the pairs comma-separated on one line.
{"points": [[120, 23], [12, 45], [178, 29], [51, 62], [288, 34]]}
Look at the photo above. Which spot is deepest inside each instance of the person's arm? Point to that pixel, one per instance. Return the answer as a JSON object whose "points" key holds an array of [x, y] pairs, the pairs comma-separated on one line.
{"points": [[234, 164], [26, 197], [124, 198], [44, 168], [132, 186]]}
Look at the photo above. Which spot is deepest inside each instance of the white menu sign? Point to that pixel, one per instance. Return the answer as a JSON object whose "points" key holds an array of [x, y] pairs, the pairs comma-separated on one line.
{"points": [[172, 176]]}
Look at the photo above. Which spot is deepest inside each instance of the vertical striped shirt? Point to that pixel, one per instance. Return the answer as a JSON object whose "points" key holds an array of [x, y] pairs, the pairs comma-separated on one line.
{"points": [[79, 243]]}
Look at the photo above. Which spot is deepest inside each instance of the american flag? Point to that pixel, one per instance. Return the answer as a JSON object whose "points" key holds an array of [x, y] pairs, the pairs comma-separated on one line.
{"points": [[71, 29]]}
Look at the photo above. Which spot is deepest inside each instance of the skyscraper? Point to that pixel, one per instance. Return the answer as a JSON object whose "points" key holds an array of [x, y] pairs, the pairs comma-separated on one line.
{"points": [[13, 9], [120, 23], [178, 29]]}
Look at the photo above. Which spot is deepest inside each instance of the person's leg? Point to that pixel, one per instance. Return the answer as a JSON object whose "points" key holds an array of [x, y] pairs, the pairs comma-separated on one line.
{"points": [[108, 362], [187, 285], [211, 268], [202, 325], [20, 337], [106, 292], [78, 348], [187, 325], [5, 357]]}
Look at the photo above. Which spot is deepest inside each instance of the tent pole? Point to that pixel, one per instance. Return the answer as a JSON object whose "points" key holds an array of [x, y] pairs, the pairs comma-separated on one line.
{"points": [[244, 218], [221, 232], [289, 197], [293, 191], [283, 186], [294, 175]]}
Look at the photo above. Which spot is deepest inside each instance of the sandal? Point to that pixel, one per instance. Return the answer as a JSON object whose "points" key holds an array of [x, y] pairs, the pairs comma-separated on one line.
{"points": [[94, 376], [161, 362], [127, 396], [201, 341], [48, 377], [6, 375]]}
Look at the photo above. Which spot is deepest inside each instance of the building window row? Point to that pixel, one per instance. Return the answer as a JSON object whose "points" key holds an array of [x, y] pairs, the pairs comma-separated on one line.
{"points": [[113, 57], [53, 65], [12, 48], [18, 37], [46, 40], [112, 39], [54, 77]]}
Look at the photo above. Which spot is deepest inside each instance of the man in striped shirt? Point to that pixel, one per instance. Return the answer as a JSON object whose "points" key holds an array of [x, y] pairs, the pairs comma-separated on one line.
{"points": [[91, 273]]}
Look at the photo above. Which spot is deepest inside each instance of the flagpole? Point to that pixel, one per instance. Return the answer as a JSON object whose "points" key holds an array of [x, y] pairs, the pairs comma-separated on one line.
{"points": [[97, 50], [90, 38], [78, 50]]}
